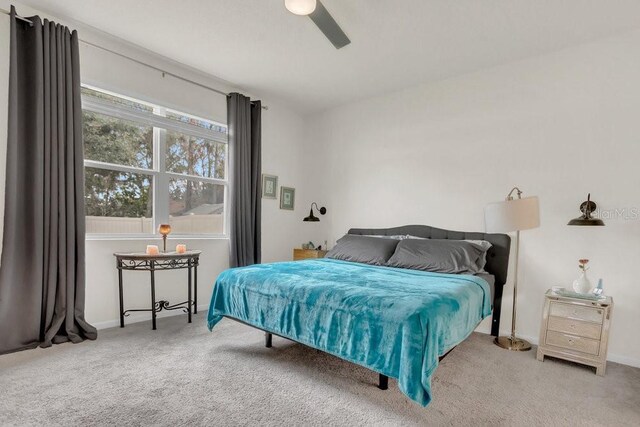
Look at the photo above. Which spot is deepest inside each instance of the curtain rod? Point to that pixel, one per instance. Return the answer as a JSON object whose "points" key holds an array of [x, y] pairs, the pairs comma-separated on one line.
{"points": [[164, 72]]}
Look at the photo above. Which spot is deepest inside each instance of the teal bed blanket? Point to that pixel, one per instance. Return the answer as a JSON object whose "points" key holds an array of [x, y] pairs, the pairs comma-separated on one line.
{"points": [[394, 321]]}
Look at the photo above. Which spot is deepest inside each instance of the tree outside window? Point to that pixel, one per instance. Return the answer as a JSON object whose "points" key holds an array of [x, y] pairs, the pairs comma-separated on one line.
{"points": [[132, 148]]}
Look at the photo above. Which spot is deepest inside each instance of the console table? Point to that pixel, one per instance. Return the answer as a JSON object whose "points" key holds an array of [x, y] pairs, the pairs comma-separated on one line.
{"points": [[152, 263]]}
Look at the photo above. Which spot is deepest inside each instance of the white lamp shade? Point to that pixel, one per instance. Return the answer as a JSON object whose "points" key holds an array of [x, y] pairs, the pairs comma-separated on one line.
{"points": [[300, 7], [512, 215]]}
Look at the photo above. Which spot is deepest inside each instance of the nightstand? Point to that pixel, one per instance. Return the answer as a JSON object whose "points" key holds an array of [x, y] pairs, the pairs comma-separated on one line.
{"points": [[300, 254], [576, 329]]}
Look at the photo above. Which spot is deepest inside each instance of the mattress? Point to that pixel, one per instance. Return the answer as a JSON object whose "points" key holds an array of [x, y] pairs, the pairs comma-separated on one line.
{"points": [[394, 321], [491, 280]]}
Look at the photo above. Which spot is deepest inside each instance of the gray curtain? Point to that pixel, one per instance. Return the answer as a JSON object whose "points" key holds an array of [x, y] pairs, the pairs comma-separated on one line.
{"points": [[245, 129], [42, 271]]}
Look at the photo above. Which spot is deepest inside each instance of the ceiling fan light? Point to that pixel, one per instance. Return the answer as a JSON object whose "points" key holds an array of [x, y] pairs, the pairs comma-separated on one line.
{"points": [[300, 7]]}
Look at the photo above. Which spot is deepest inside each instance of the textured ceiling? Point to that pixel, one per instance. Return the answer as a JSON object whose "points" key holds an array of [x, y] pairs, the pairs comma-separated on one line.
{"points": [[259, 46]]}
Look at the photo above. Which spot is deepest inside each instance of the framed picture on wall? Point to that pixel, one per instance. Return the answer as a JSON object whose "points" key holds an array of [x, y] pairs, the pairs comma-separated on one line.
{"points": [[287, 198], [269, 186]]}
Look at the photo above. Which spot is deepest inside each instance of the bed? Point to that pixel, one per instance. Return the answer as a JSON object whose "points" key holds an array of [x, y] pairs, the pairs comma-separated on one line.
{"points": [[394, 321]]}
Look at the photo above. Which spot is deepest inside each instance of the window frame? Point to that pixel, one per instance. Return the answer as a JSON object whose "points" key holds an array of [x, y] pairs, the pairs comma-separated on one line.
{"points": [[160, 176]]}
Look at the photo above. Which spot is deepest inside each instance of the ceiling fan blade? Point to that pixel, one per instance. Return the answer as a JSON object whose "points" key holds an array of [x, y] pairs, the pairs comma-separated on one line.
{"points": [[329, 26]]}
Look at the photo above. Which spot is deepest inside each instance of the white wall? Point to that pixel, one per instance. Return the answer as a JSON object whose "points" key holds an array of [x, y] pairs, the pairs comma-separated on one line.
{"points": [[558, 126], [283, 148]]}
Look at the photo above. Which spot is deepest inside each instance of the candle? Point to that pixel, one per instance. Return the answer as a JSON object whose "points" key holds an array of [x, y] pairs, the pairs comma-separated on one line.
{"points": [[152, 250], [181, 248], [164, 229]]}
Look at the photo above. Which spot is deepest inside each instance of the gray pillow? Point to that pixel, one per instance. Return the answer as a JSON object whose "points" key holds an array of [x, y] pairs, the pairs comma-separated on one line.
{"points": [[439, 256], [365, 249], [482, 261]]}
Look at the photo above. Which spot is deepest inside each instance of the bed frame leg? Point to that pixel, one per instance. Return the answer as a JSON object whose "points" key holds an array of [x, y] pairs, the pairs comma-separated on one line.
{"points": [[497, 308], [383, 383], [268, 338]]}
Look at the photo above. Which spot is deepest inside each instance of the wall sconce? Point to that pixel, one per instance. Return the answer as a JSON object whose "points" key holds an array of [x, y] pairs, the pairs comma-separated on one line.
{"points": [[311, 216], [586, 219]]}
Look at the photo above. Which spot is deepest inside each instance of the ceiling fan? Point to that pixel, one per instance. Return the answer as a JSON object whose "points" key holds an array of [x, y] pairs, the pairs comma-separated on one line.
{"points": [[321, 17]]}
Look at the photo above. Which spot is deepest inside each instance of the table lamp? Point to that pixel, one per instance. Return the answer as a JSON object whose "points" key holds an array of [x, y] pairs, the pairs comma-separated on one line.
{"points": [[503, 217], [164, 229]]}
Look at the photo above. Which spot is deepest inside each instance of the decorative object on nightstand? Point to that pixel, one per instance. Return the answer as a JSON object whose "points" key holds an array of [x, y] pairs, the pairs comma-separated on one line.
{"points": [[598, 291], [300, 254], [287, 198], [503, 217], [164, 229], [312, 217], [587, 208], [576, 329], [582, 283]]}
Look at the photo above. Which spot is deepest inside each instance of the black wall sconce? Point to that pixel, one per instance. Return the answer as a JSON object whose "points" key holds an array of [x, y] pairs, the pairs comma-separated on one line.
{"points": [[311, 216], [587, 208]]}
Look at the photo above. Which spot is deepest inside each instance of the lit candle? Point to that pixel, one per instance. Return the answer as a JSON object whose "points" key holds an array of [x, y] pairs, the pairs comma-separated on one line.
{"points": [[181, 248], [164, 229], [152, 250]]}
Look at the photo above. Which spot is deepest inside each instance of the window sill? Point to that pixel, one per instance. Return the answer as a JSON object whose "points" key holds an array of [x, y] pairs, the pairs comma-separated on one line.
{"points": [[172, 238]]}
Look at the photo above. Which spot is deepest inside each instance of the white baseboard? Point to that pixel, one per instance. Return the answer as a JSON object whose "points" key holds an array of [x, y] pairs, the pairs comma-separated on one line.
{"points": [[624, 360], [144, 317]]}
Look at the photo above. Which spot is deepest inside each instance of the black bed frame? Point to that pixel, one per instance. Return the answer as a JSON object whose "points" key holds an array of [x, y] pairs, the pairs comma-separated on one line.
{"points": [[497, 265]]}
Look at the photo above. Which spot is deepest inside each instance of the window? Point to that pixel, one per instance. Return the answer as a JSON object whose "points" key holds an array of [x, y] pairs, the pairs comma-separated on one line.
{"points": [[147, 165]]}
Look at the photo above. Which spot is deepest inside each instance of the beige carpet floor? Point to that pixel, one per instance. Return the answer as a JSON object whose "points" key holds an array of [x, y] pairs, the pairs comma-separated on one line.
{"points": [[184, 375]]}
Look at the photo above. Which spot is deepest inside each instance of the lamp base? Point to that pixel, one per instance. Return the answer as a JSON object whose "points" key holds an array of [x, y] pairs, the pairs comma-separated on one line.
{"points": [[512, 343]]}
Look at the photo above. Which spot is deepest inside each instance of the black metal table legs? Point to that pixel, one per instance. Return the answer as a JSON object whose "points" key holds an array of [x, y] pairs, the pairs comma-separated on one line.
{"points": [[195, 289], [153, 295], [121, 296], [152, 264], [189, 301]]}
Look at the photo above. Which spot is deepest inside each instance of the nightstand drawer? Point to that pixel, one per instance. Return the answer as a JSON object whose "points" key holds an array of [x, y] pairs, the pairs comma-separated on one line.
{"points": [[575, 327], [573, 311], [571, 342]]}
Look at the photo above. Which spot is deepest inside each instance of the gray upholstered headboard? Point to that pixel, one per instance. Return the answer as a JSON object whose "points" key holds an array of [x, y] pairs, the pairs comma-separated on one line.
{"points": [[497, 256]]}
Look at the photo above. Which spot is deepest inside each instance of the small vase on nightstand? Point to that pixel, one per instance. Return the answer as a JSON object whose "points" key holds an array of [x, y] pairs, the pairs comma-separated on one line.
{"points": [[582, 283]]}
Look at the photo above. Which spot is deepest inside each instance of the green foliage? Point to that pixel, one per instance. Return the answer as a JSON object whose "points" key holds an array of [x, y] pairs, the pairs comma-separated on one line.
{"points": [[111, 193], [197, 157], [118, 194]]}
